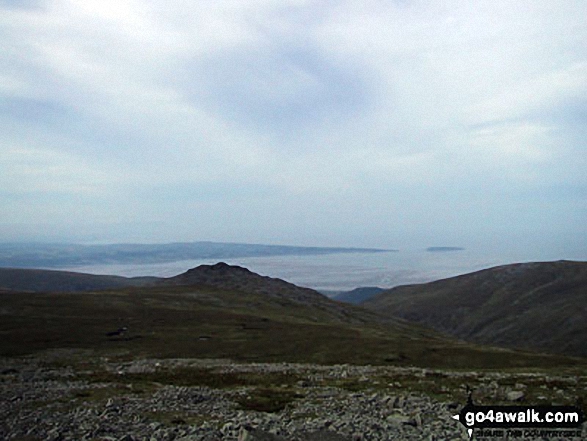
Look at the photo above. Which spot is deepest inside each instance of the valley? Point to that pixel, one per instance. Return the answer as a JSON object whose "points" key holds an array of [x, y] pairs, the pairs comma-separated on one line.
{"points": [[220, 352], [244, 316]]}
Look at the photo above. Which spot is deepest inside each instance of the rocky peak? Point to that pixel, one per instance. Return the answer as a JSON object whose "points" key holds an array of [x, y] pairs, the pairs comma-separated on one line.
{"points": [[217, 268], [231, 277]]}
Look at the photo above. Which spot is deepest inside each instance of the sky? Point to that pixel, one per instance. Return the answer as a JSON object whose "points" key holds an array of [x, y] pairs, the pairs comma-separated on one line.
{"points": [[365, 123]]}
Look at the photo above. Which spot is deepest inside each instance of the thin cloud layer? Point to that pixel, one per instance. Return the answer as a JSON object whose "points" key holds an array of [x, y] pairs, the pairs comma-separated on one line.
{"points": [[320, 123]]}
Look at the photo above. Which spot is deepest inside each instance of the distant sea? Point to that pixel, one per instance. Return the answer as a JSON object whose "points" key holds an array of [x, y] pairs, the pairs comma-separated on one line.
{"points": [[334, 272]]}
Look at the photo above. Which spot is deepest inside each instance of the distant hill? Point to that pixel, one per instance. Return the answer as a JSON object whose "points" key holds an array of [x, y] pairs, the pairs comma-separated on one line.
{"points": [[222, 311], [40, 255], [236, 278], [220, 276], [34, 280], [538, 306], [358, 295]]}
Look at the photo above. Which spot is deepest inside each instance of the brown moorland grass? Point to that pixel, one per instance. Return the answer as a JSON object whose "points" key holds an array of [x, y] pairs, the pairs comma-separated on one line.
{"points": [[205, 322]]}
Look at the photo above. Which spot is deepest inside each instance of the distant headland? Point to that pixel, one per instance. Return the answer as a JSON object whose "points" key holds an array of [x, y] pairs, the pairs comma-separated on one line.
{"points": [[443, 249], [43, 255]]}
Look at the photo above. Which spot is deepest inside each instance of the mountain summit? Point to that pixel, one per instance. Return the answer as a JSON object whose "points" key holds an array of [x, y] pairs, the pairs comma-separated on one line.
{"points": [[232, 277], [227, 312]]}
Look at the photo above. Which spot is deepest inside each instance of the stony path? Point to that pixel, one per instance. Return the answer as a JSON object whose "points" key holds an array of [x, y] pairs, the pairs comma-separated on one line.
{"points": [[48, 401]]}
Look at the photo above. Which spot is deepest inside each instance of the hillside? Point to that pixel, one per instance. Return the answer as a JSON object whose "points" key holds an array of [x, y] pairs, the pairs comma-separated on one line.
{"points": [[537, 306], [35, 280], [358, 295], [228, 312], [232, 277]]}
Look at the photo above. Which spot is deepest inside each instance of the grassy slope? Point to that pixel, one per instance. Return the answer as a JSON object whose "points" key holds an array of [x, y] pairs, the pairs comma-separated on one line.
{"points": [[168, 321], [540, 306], [36, 280]]}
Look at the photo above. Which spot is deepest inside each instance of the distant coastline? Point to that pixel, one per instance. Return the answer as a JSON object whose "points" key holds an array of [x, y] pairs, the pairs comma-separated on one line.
{"points": [[443, 249], [43, 255]]}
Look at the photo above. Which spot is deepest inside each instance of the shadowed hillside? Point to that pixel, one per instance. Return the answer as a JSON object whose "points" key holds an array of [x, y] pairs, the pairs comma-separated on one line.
{"points": [[232, 277], [34, 280], [539, 306], [229, 312], [358, 295]]}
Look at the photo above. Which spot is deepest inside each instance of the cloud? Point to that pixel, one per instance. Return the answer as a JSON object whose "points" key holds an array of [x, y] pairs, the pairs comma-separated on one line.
{"points": [[380, 116], [39, 170]]}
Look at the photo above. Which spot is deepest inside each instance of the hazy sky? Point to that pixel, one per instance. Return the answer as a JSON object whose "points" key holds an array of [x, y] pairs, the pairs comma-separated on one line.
{"points": [[343, 123]]}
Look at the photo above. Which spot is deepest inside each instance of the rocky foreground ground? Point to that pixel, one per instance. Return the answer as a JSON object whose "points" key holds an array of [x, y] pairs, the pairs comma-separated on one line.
{"points": [[66, 396]]}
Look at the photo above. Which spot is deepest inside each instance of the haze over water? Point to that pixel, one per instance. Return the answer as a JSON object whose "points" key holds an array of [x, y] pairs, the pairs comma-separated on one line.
{"points": [[339, 272]]}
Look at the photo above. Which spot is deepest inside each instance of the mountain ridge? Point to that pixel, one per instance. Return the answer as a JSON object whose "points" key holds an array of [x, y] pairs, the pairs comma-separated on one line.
{"points": [[234, 277], [221, 311], [358, 295], [241, 312], [44, 280], [536, 306]]}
